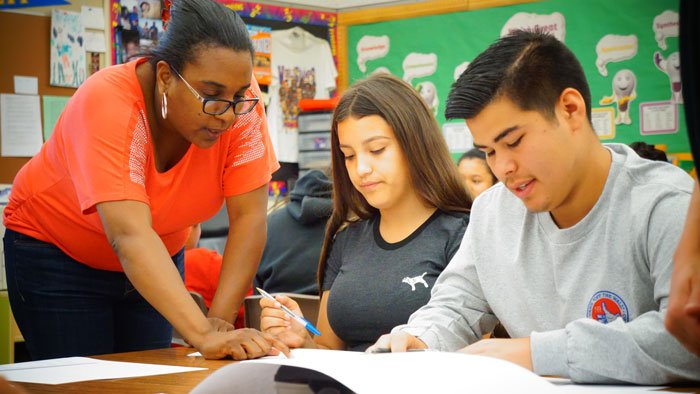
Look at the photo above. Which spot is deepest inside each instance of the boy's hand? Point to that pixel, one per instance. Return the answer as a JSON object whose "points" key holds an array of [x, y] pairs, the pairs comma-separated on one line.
{"points": [[396, 342], [514, 350]]}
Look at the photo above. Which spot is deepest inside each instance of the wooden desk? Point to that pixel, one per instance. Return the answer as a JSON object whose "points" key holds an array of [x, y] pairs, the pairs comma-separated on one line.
{"points": [[172, 383]]}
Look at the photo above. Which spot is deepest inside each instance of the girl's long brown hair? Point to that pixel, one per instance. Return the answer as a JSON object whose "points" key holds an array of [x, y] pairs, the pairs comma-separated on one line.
{"points": [[433, 174]]}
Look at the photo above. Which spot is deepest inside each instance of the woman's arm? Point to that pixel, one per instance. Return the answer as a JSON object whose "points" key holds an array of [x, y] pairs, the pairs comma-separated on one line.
{"points": [[150, 269], [246, 239]]}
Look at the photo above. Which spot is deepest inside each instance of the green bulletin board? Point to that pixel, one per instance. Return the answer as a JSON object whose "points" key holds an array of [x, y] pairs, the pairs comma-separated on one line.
{"points": [[631, 35]]}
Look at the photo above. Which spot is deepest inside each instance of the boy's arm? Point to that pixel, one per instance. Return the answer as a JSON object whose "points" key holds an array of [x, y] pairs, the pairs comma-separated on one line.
{"points": [[640, 351], [457, 313]]}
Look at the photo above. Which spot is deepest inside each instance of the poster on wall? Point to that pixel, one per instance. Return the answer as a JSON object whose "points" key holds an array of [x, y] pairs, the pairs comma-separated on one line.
{"points": [[603, 122], [553, 23], [671, 66], [67, 49], [624, 91], [262, 42], [665, 25], [659, 117], [371, 48], [139, 28]]}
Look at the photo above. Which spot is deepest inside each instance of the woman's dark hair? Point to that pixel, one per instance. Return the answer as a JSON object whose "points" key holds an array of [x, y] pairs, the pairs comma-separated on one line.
{"points": [[477, 154], [200, 23], [433, 174]]}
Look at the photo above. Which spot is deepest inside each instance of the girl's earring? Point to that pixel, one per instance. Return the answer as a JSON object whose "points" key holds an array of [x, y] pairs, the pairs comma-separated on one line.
{"points": [[164, 106]]}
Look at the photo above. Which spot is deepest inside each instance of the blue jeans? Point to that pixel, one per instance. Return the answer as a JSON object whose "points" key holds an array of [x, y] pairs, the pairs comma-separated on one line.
{"points": [[65, 308]]}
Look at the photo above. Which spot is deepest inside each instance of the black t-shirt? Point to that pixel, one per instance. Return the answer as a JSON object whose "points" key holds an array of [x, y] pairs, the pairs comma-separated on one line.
{"points": [[375, 285]]}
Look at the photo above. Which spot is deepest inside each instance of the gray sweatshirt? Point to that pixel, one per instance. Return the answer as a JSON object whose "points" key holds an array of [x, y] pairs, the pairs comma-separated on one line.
{"points": [[592, 297]]}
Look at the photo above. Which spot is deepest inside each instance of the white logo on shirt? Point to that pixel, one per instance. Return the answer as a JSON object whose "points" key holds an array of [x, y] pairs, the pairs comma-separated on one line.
{"points": [[415, 280], [251, 139]]}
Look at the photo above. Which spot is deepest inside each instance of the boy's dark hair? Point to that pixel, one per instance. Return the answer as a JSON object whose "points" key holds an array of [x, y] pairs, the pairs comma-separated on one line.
{"points": [[530, 68], [648, 151], [200, 23]]}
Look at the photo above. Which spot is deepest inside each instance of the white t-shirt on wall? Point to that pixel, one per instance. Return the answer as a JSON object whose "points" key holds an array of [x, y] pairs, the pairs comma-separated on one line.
{"points": [[302, 67]]}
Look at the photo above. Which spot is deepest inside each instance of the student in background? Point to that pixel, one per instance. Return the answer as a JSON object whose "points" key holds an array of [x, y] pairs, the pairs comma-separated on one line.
{"points": [[202, 267], [683, 317], [476, 172], [649, 152], [97, 220], [572, 251], [203, 271], [399, 214], [294, 237]]}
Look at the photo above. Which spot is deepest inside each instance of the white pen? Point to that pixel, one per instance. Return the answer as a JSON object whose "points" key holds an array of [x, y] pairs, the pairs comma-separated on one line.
{"points": [[293, 315]]}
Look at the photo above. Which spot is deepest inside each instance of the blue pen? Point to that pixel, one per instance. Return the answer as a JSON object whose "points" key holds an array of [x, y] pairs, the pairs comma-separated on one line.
{"points": [[293, 315]]}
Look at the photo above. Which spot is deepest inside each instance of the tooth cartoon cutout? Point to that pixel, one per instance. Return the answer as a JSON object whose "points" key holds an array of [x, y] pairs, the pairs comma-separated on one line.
{"points": [[428, 91], [671, 66], [624, 86]]}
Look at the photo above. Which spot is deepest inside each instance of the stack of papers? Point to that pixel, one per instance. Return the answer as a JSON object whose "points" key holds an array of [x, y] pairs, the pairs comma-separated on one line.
{"points": [[414, 372], [78, 369]]}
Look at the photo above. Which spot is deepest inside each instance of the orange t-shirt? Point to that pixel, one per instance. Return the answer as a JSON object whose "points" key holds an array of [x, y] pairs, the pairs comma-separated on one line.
{"points": [[101, 150], [202, 271]]}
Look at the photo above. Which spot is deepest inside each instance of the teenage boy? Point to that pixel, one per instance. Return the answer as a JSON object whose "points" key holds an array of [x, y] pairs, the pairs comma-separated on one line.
{"points": [[572, 251]]}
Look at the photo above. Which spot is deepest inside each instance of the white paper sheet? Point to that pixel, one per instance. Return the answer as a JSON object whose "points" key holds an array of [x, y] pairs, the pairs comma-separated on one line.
{"points": [[95, 41], [427, 372], [26, 85], [78, 369], [92, 17], [20, 121]]}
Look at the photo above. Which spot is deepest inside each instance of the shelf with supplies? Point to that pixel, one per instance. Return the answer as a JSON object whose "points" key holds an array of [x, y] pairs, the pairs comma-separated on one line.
{"points": [[314, 140]]}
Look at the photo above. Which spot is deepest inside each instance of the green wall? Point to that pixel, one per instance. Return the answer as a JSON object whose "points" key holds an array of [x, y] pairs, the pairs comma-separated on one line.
{"points": [[459, 37]]}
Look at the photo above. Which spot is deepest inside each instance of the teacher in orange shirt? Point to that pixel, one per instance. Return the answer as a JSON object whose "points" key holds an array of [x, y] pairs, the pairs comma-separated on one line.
{"points": [[97, 221]]}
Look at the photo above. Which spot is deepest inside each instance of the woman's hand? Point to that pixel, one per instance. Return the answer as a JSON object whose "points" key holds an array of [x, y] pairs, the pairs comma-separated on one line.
{"points": [[217, 325], [242, 344], [274, 321], [220, 325]]}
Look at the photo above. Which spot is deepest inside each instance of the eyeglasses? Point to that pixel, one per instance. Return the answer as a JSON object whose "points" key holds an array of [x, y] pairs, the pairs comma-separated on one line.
{"points": [[241, 106]]}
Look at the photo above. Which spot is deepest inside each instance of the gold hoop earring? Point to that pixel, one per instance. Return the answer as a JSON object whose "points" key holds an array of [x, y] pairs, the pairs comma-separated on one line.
{"points": [[164, 106]]}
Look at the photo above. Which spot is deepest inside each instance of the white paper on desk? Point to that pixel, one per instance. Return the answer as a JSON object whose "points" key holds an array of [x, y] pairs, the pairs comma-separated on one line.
{"points": [[567, 386], [95, 41], [427, 372], [26, 85], [92, 17], [79, 369], [20, 124]]}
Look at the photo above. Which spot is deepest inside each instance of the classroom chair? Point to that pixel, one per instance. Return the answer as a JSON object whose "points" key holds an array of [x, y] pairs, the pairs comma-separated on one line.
{"points": [[309, 305]]}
